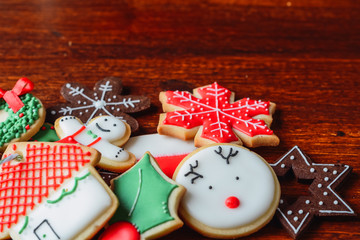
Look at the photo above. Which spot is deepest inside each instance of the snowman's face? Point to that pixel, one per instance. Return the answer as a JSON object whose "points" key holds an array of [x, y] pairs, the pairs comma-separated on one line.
{"points": [[227, 186], [107, 127]]}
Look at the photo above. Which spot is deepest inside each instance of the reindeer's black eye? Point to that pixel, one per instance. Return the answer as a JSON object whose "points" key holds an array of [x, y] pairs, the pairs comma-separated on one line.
{"points": [[237, 178], [210, 187], [105, 119]]}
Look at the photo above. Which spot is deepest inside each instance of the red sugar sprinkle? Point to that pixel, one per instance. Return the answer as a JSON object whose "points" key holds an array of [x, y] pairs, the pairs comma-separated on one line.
{"points": [[21, 115], [43, 128], [14, 147], [27, 127]]}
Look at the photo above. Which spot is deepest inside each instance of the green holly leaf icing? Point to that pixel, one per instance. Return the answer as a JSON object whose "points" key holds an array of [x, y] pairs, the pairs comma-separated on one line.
{"points": [[143, 195], [16, 123], [46, 133]]}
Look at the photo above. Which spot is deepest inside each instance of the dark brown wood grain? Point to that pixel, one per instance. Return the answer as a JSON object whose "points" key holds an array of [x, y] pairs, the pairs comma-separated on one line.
{"points": [[302, 55]]}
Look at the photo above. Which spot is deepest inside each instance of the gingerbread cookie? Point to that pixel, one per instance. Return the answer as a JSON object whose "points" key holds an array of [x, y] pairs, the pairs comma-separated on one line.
{"points": [[167, 151], [323, 200], [52, 191], [21, 114], [105, 134], [148, 203], [210, 115], [230, 191], [105, 99], [46, 133]]}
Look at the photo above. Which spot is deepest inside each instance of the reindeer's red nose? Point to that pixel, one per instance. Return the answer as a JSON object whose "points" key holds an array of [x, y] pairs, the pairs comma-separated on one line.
{"points": [[232, 202]]}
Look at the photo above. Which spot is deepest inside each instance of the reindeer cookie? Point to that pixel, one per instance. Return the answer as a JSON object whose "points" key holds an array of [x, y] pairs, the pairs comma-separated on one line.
{"points": [[231, 191], [105, 134], [52, 191]]}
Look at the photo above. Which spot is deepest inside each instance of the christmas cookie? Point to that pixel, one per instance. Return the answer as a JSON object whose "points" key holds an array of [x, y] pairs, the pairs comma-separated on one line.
{"points": [[148, 203], [105, 134], [210, 115], [230, 191], [21, 114], [323, 200], [52, 191], [46, 133], [167, 151], [105, 99]]}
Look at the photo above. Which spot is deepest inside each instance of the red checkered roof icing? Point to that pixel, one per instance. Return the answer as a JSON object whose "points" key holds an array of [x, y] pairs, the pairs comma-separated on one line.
{"points": [[28, 183]]}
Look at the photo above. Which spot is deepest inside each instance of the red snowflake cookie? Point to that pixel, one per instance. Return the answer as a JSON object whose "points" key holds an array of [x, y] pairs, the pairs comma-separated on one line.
{"points": [[210, 115]]}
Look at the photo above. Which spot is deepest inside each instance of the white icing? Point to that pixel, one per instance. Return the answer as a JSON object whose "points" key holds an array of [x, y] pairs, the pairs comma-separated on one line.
{"points": [[69, 125], [71, 215], [158, 145], [255, 187]]}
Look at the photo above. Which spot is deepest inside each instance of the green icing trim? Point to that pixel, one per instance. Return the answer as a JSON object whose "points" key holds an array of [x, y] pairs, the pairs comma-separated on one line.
{"points": [[15, 125], [65, 192], [25, 225], [143, 195], [91, 134], [46, 135]]}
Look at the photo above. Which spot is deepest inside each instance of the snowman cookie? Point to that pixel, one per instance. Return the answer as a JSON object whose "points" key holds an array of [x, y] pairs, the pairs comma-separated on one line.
{"points": [[231, 191], [52, 191], [105, 134], [21, 114]]}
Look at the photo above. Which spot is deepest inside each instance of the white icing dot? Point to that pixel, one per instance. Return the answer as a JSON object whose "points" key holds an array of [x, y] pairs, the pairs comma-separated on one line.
{"points": [[246, 114], [79, 102], [84, 103], [319, 185], [326, 179], [292, 157], [118, 109], [296, 218], [188, 124], [307, 201], [325, 169], [53, 112], [193, 109], [289, 212], [334, 172], [281, 201], [81, 113], [100, 114], [321, 203], [112, 108], [250, 130], [325, 193], [282, 166], [336, 202], [312, 170], [301, 211], [68, 85], [86, 110], [201, 109], [95, 94], [191, 104], [114, 96], [96, 98], [109, 99]]}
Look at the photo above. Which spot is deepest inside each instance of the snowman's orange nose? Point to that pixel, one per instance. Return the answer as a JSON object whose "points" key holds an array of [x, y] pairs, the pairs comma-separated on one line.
{"points": [[232, 202]]}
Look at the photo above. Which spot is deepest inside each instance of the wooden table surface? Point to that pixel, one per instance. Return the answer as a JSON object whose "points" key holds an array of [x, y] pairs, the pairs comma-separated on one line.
{"points": [[302, 55]]}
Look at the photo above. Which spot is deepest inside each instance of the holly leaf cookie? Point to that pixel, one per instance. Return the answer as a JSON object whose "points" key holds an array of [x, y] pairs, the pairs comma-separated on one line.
{"points": [[52, 191], [230, 191], [148, 200], [21, 114], [105, 99], [323, 200], [210, 115]]}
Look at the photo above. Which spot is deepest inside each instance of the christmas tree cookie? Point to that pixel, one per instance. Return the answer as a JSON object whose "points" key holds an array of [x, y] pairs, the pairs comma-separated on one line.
{"points": [[148, 201]]}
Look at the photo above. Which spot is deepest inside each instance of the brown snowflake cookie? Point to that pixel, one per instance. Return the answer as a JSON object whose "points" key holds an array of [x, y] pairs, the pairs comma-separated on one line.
{"points": [[105, 99], [323, 200]]}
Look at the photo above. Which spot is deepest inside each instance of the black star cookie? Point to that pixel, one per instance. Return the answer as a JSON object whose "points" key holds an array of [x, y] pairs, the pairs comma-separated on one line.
{"points": [[323, 199], [105, 99]]}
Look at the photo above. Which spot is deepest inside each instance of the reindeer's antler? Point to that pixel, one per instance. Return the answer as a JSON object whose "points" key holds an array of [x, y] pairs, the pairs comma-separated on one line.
{"points": [[197, 175], [231, 154]]}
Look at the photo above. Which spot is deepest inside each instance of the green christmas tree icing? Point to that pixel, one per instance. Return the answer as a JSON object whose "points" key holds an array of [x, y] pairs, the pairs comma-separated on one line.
{"points": [[143, 195], [16, 123]]}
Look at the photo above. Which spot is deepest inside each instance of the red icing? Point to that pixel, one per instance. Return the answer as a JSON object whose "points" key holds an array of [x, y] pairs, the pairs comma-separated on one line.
{"points": [[43, 128], [21, 115], [14, 147], [217, 114], [120, 231], [232, 202], [27, 127], [168, 164], [27, 183], [22, 86]]}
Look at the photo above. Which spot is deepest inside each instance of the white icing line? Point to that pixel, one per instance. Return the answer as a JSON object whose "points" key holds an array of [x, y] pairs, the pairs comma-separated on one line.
{"points": [[137, 194], [296, 230]]}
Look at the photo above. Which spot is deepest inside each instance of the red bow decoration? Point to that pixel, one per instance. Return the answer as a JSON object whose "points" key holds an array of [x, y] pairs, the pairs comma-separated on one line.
{"points": [[22, 86]]}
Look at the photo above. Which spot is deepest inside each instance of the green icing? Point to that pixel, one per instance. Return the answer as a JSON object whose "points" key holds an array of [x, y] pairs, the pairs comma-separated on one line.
{"points": [[89, 132], [47, 133], [25, 225], [143, 195], [15, 125], [67, 192]]}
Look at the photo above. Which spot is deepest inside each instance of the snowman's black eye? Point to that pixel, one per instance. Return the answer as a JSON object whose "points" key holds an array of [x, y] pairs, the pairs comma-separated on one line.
{"points": [[237, 178], [210, 187], [105, 119], [114, 125]]}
